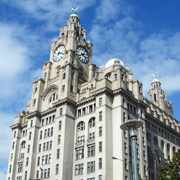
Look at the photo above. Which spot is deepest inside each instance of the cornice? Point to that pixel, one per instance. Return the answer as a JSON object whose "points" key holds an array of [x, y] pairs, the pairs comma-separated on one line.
{"points": [[64, 101], [85, 101], [33, 114], [104, 90], [48, 111]]}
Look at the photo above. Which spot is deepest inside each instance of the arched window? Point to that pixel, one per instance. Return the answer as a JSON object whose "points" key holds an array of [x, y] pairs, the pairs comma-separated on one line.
{"points": [[53, 97], [23, 144], [108, 75], [92, 122], [155, 141], [81, 126]]}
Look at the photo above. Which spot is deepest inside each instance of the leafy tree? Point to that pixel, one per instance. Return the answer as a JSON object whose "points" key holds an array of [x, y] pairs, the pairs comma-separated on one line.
{"points": [[170, 170]]}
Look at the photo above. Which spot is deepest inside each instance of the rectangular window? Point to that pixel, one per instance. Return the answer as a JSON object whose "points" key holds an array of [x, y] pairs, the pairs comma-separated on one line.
{"points": [[34, 101], [25, 177], [59, 139], [43, 159], [64, 75], [13, 145], [125, 164], [61, 111], [46, 159], [27, 161], [50, 146], [123, 103], [124, 117], [63, 88], [100, 146], [79, 153], [52, 131], [45, 133], [91, 167], [30, 135], [47, 146], [28, 149], [100, 163], [11, 156], [31, 123], [38, 161], [57, 168], [45, 173], [37, 174], [14, 134], [48, 133], [91, 151], [10, 169], [79, 169], [39, 147], [144, 155], [100, 116], [48, 174], [49, 158], [60, 124], [40, 137], [100, 101], [58, 153], [100, 131], [100, 177], [125, 148], [44, 146]]}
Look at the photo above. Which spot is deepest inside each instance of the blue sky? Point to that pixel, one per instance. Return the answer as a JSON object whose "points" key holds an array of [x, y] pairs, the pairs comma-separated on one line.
{"points": [[144, 34]]}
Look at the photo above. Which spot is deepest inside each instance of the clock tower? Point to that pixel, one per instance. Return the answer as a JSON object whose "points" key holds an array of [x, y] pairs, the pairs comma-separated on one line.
{"points": [[70, 59]]}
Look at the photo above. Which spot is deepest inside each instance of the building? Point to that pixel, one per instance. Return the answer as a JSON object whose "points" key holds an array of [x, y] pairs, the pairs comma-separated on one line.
{"points": [[71, 127]]}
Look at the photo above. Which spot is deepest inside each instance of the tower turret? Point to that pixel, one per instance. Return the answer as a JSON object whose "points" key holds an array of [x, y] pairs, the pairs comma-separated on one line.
{"points": [[158, 96]]}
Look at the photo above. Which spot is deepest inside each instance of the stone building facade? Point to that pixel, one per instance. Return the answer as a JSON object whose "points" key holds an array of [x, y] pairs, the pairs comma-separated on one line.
{"points": [[71, 127]]}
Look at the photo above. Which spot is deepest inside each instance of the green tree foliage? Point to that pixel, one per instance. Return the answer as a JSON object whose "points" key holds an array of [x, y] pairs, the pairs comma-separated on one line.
{"points": [[171, 170]]}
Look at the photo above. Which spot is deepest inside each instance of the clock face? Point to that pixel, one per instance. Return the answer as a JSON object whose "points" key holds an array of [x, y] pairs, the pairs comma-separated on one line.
{"points": [[82, 54], [59, 53]]}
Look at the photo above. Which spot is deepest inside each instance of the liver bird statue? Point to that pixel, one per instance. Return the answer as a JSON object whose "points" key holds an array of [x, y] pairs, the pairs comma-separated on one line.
{"points": [[154, 75], [74, 9]]}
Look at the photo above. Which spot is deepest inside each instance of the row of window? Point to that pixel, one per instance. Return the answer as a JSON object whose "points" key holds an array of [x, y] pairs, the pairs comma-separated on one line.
{"points": [[46, 159], [47, 133], [79, 168], [90, 151], [162, 132], [46, 146], [86, 110], [47, 120], [45, 173]]}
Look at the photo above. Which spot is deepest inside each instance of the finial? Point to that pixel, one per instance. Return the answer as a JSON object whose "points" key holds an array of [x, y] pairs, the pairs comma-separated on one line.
{"points": [[154, 75], [74, 9]]}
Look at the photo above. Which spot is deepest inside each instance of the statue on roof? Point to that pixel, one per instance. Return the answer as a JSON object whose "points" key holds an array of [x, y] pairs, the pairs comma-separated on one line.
{"points": [[154, 75], [74, 9]]}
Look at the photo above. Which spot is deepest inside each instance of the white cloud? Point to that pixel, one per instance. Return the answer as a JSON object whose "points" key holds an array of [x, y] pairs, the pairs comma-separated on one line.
{"points": [[16, 65], [52, 12], [108, 10]]}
